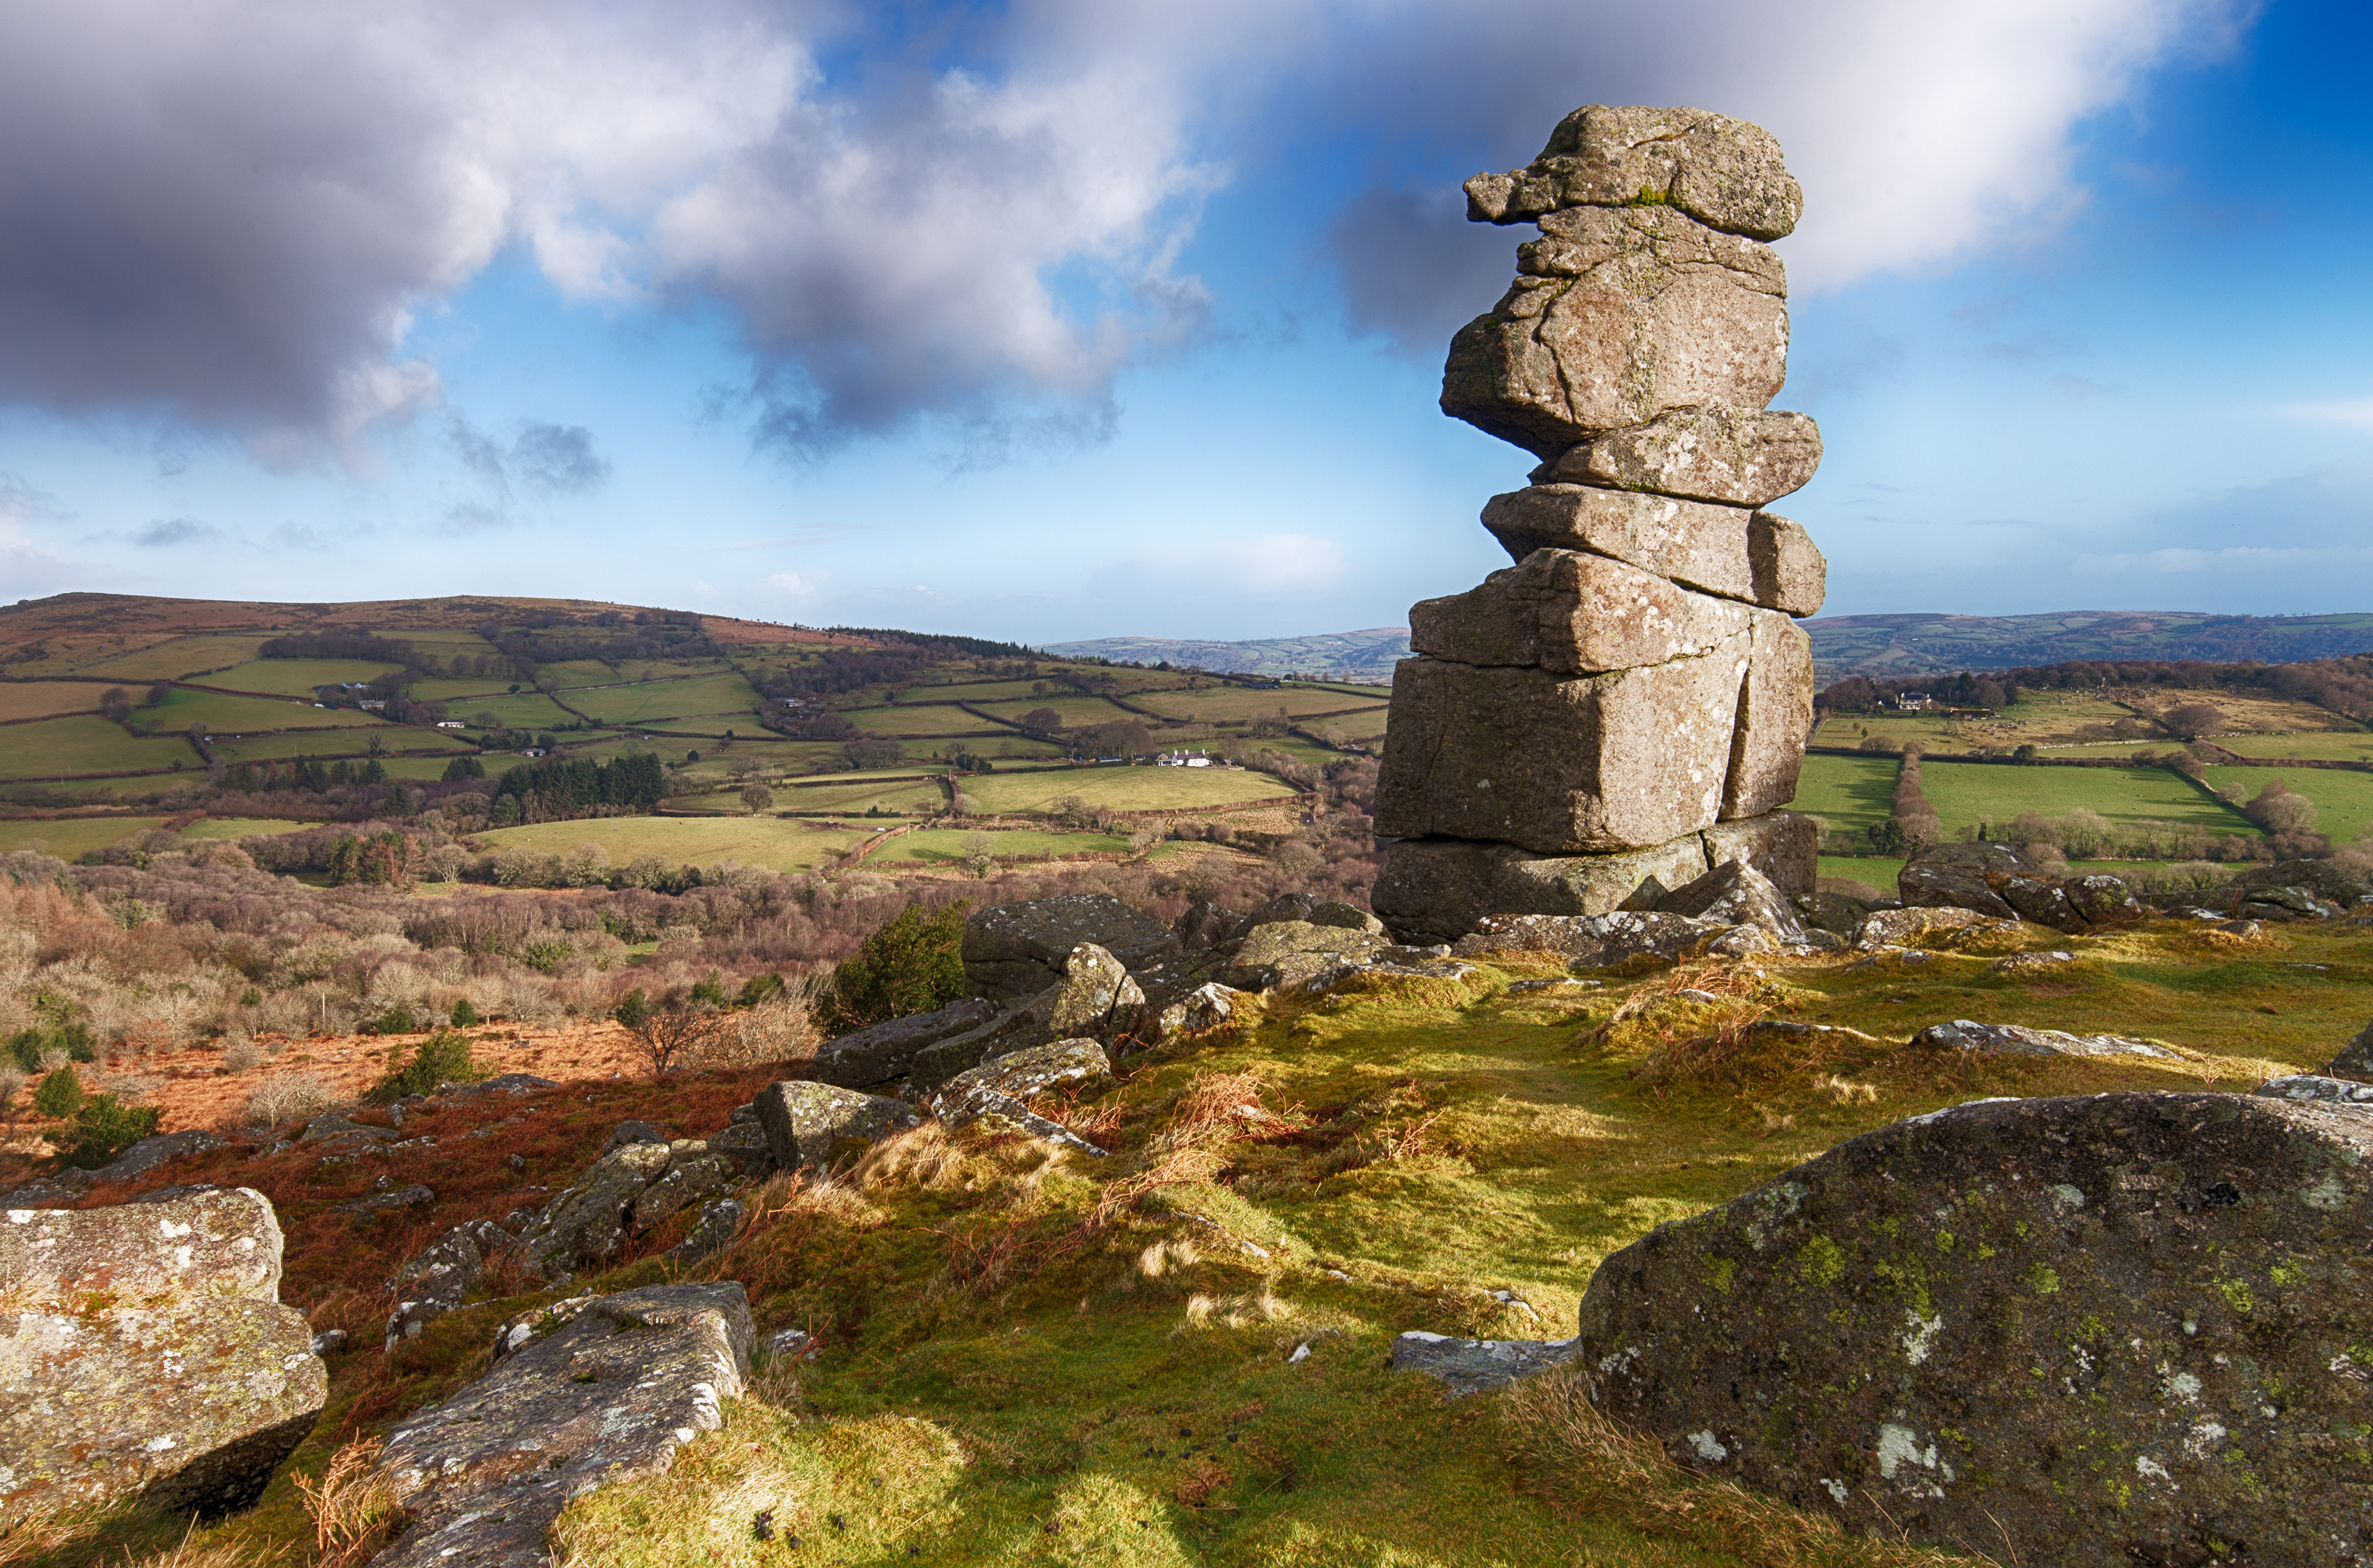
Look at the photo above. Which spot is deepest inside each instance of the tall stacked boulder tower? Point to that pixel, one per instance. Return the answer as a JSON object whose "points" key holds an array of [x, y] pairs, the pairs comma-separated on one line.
{"points": [[1625, 708]]}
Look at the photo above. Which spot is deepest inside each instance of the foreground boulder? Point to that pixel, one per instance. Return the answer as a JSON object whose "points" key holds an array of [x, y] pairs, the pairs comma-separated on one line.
{"points": [[2018, 1040], [144, 1349], [1012, 951], [812, 1126], [2117, 1328], [883, 1052], [585, 1394]]}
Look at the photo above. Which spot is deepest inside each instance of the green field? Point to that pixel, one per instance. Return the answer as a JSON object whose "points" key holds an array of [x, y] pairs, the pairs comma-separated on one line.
{"points": [[727, 695], [915, 798], [894, 722], [1848, 793], [297, 676], [2334, 746], [946, 846], [976, 691], [1215, 705], [1968, 793], [529, 710], [243, 714], [2343, 801], [47, 699], [769, 842], [72, 836], [458, 694], [349, 742], [85, 744], [1123, 789], [178, 657], [241, 827], [571, 673], [1076, 710]]}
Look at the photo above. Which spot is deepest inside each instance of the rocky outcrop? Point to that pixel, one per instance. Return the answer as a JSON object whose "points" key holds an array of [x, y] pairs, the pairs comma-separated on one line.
{"points": [[2355, 1058], [883, 1052], [1998, 880], [144, 1351], [2315, 1087], [2120, 1328], [2018, 1040], [588, 1221], [1071, 1065], [1013, 951], [1288, 953], [814, 1126], [440, 1278], [1566, 731], [586, 1393]]}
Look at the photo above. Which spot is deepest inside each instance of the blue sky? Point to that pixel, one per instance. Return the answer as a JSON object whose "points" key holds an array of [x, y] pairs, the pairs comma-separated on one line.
{"points": [[1070, 319]]}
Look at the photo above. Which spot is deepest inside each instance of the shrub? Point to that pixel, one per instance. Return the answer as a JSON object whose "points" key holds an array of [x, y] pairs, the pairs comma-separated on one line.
{"points": [[396, 1020], [443, 1058], [104, 1128], [12, 1079], [634, 1011], [60, 1094], [911, 965], [284, 1096], [464, 1015], [243, 1056]]}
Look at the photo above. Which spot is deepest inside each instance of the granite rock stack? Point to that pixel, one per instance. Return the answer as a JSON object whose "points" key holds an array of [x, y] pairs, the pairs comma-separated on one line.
{"points": [[1626, 707]]}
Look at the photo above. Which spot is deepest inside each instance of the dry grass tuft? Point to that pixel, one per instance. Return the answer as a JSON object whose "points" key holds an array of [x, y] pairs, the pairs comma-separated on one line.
{"points": [[1237, 1311], [352, 1506], [1582, 1464]]}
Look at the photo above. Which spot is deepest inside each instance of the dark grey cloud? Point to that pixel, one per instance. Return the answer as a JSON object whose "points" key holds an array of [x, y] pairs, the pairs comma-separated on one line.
{"points": [[559, 460], [175, 531], [1414, 270]]}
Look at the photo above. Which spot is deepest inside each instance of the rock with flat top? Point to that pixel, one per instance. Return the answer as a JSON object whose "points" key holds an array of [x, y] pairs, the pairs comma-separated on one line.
{"points": [[1475, 1367], [1723, 172], [1591, 941], [1618, 316], [1073, 1065], [1730, 455], [1557, 765], [1438, 889], [144, 1352], [1206, 1007], [1287, 953], [883, 1052], [585, 1394], [2318, 1087], [815, 1126], [1574, 613], [2109, 1329], [2355, 1058], [1014, 951], [2018, 1040], [1758, 558], [1902, 927]]}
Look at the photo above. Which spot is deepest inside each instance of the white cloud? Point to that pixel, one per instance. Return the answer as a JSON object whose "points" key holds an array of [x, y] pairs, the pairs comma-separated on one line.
{"points": [[2351, 413], [1265, 564], [801, 586], [2239, 559]]}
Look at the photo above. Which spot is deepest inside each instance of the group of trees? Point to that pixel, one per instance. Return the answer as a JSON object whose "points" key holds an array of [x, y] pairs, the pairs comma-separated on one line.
{"points": [[389, 859], [558, 789], [2343, 686], [303, 773]]}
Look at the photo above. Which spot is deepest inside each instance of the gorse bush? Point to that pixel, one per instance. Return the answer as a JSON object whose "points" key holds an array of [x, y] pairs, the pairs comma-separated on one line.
{"points": [[464, 1015], [60, 1094], [443, 1058], [104, 1128], [911, 965]]}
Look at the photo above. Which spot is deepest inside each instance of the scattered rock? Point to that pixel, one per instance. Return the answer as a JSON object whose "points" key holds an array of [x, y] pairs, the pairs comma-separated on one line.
{"points": [[1995, 879], [329, 1340], [152, 1154], [1474, 1366], [514, 1086], [814, 1126], [788, 1345], [1554, 983], [334, 1124], [632, 1132], [1206, 1007], [883, 1052], [586, 1221], [1734, 893], [2032, 963], [1896, 927], [692, 1173], [587, 1394], [1013, 951], [2304, 1087], [2355, 1058], [1066, 1064], [144, 1349], [376, 1204], [1288, 953], [720, 1221], [2015, 1039], [440, 1277], [1015, 1029], [2113, 1328], [1592, 941], [983, 1104]]}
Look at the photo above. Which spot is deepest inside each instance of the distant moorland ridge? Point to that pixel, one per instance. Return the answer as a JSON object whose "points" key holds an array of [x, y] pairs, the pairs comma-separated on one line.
{"points": [[1914, 645]]}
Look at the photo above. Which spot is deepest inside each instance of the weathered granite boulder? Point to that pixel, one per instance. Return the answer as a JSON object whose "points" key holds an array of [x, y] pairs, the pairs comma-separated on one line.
{"points": [[692, 1173], [1013, 951], [2018, 1040], [1734, 893], [1617, 315], [144, 1349], [1437, 889], [440, 1278], [2113, 1328], [2355, 1058], [1725, 455], [720, 1221], [1833, 912], [1066, 1065], [814, 1126], [743, 1142], [1288, 952], [883, 1052], [154, 1154], [586, 1221], [1901, 927], [1475, 1367], [633, 1132], [1758, 558], [1205, 1008], [2005, 882], [1774, 719], [585, 1394], [1591, 941], [2314, 1086], [1573, 613], [1018, 1028], [1723, 172], [1095, 994], [2328, 882], [1204, 926], [1560, 766]]}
